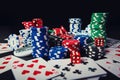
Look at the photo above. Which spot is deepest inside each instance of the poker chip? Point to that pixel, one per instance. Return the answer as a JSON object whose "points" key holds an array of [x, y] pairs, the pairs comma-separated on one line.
{"points": [[84, 39], [66, 36], [25, 33], [13, 41], [27, 24], [54, 41], [59, 31], [24, 51], [75, 25], [58, 52], [37, 22], [40, 45], [93, 51]]}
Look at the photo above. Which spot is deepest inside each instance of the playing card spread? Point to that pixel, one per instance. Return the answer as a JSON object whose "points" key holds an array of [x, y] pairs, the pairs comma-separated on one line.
{"points": [[6, 63], [88, 68], [110, 65], [4, 48], [35, 69], [113, 53]]}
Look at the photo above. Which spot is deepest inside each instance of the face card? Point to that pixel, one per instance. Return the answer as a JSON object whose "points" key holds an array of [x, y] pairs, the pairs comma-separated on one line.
{"points": [[6, 63], [110, 65], [4, 48], [88, 68], [113, 53], [35, 69]]}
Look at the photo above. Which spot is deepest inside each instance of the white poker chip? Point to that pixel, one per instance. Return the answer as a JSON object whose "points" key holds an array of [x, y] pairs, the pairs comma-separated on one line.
{"points": [[24, 51], [13, 41]]}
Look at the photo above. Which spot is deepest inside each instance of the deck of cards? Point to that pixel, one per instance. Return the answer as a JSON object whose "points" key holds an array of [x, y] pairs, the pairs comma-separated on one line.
{"points": [[62, 69]]}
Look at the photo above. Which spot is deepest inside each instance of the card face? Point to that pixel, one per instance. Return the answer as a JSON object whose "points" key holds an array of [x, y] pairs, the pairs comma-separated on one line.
{"points": [[6, 63], [110, 65], [111, 42], [88, 68], [4, 48], [35, 69], [113, 53]]}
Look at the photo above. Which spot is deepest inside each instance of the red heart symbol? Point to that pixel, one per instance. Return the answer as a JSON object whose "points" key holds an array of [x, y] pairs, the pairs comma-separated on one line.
{"points": [[25, 72], [48, 73], [35, 61], [20, 65], [41, 66], [4, 47], [15, 62], [108, 62], [30, 65], [107, 51], [36, 72], [6, 62], [117, 54], [8, 58], [30, 78], [118, 50], [2, 67]]}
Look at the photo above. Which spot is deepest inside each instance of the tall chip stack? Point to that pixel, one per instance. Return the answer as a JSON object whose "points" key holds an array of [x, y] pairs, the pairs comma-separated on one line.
{"points": [[39, 38], [75, 25], [98, 25]]}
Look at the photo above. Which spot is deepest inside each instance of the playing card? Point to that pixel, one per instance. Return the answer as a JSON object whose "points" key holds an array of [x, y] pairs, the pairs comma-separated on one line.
{"points": [[110, 65], [117, 45], [111, 42], [4, 48], [35, 69], [113, 53], [6, 63], [88, 68]]}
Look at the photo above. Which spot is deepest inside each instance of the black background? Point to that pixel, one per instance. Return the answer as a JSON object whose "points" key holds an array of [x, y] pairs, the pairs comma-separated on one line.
{"points": [[57, 12]]}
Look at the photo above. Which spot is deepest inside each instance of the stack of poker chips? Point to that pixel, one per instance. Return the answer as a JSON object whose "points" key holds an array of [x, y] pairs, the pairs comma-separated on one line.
{"points": [[25, 33], [93, 51], [74, 50], [98, 25], [54, 41], [75, 25], [58, 52], [39, 38]]}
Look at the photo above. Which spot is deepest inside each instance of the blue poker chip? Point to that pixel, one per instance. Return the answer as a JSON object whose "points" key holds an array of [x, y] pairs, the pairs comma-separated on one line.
{"points": [[84, 39], [39, 38], [13, 41], [58, 52]]}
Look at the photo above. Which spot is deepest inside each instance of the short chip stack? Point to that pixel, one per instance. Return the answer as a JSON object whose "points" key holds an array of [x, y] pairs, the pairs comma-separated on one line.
{"points": [[75, 25], [84, 39], [39, 38], [93, 51], [58, 52], [25, 33], [98, 25]]}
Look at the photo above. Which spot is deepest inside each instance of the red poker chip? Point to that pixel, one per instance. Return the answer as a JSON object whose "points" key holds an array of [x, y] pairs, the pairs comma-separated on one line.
{"points": [[66, 36], [27, 24], [38, 22]]}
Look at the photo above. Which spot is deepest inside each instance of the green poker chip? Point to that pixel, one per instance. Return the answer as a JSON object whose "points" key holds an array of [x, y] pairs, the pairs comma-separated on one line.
{"points": [[99, 17], [98, 26]]}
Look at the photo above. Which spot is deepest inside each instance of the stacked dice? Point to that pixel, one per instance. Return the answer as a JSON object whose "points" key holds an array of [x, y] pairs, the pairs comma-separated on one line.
{"points": [[73, 47]]}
